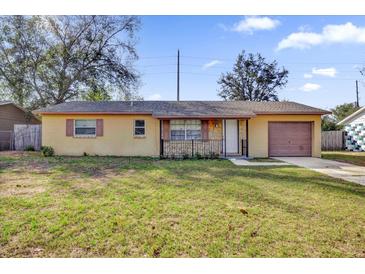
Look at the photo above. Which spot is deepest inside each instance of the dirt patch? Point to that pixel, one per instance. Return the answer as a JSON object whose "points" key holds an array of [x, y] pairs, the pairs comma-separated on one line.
{"points": [[18, 153], [14, 184]]}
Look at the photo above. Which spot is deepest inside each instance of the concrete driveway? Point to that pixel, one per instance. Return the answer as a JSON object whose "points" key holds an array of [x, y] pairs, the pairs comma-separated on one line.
{"points": [[348, 172]]}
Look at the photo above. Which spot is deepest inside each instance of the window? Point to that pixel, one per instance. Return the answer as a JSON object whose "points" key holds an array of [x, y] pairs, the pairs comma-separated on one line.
{"points": [[139, 128], [85, 128], [185, 129]]}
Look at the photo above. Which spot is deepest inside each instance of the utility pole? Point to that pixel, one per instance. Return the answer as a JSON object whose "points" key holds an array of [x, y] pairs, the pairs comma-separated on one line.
{"points": [[178, 75], [357, 94]]}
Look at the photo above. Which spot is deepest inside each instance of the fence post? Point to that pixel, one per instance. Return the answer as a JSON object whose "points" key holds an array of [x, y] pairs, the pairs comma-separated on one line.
{"points": [[192, 147]]}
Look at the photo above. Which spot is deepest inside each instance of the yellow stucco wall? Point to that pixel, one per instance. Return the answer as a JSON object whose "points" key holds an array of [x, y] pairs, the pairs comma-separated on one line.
{"points": [[118, 136], [258, 132], [117, 139]]}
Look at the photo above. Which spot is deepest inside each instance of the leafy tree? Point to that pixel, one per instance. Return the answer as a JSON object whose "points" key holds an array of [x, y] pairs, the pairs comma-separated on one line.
{"points": [[96, 95], [328, 123], [51, 59], [340, 112], [14, 64], [252, 79]]}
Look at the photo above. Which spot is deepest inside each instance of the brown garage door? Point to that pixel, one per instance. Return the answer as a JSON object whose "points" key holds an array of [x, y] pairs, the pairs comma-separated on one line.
{"points": [[290, 139]]}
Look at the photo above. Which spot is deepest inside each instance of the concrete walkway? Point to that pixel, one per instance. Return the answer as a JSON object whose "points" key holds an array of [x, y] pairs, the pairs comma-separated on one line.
{"points": [[243, 162], [348, 172]]}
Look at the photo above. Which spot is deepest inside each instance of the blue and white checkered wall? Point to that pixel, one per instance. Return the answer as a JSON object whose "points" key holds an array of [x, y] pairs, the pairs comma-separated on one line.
{"points": [[355, 137]]}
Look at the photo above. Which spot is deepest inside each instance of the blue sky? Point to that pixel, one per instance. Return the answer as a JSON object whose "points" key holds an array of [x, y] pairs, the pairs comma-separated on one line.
{"points": [[322, 53]]}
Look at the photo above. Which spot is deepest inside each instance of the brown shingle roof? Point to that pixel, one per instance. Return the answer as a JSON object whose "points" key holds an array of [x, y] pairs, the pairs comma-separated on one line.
{"points": [[165, 109]]}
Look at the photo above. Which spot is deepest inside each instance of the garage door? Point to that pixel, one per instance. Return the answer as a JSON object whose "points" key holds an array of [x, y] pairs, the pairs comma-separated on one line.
{"points": [[290, 139]]}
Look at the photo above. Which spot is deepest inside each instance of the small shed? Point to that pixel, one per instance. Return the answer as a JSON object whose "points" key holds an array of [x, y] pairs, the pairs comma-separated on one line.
{"points": [[10, 115], [354, 126]]}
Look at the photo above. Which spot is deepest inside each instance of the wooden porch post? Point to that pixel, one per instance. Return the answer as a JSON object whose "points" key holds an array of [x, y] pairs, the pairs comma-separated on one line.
{"points": [[161, 141], [224, 137], [238, 136], [247, 138]]}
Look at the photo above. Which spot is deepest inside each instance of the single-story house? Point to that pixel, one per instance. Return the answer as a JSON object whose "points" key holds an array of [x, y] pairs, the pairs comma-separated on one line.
{"points": [[179, 128], [354, 126], [10, 115]]}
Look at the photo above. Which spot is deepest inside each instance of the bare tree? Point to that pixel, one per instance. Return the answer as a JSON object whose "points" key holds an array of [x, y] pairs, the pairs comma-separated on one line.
{"points": [[252, 79], [51, 59]]}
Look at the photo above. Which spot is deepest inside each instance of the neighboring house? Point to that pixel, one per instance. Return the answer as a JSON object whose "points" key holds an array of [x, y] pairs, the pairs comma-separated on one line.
{"points": [[11, 114], [354, 126], [179, 128]]}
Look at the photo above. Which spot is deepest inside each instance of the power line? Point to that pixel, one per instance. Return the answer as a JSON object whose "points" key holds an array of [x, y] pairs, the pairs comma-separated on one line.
{"points": [[218, 74], [230, 59]]}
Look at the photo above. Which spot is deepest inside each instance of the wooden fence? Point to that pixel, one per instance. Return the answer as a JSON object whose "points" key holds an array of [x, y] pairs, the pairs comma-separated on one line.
{"points": [[333, 140], [27, 135]]}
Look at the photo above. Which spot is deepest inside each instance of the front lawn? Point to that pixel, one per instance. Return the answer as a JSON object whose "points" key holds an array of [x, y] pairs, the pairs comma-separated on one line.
{"points": [[356, 158], [264, 160], [139, 207]]}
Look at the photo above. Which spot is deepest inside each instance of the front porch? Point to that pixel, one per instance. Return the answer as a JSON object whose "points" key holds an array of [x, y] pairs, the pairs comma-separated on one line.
{"points": [[205, 138]]}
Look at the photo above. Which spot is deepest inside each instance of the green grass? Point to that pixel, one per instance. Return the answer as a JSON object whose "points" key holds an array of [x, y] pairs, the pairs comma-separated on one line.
{"points": [[356, 158], [265, 160], [140, 207]]}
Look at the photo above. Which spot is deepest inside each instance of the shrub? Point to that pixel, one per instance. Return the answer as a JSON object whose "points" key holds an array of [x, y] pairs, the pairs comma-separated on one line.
{"points": [[214, 155], [47, 151], [29, 148], [186, 156], [198, 156]]}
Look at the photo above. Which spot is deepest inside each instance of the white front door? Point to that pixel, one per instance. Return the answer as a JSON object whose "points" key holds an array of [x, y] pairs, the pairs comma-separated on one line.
{"points": [[231, 136]]}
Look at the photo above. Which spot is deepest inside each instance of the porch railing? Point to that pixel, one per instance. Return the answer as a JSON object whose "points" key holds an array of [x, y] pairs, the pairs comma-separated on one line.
{"points": [[197, 148]]}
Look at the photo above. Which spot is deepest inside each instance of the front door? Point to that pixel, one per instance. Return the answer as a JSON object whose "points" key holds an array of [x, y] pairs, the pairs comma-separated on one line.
{"points": [[231, 136]]}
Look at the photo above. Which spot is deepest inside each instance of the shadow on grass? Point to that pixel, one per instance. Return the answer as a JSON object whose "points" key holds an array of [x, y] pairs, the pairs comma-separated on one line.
{"points": [[189, 171]]}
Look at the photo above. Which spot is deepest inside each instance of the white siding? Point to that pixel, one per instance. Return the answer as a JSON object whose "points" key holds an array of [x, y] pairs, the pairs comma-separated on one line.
{"points": [[359, 119]]}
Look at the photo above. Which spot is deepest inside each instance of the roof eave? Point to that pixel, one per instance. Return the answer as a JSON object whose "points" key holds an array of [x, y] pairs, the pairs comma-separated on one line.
{"points": [[293, 112], [204, 116], [92, 113], [351, 116]]}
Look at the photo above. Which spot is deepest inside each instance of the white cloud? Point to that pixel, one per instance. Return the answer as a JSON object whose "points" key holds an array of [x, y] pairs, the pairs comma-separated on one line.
{"points": [[329, 72], [307, 75], [331, 34], [304, 28], [211, 64], [154, 97], [310, 87], [253, 23]]}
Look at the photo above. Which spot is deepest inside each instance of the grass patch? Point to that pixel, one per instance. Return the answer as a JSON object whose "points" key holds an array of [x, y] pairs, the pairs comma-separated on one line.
{"points": [[356, 158], [265, 160], [143, 207]]}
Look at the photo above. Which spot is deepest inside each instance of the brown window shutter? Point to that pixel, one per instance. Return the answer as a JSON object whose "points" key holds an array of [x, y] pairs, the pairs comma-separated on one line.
{"points": [[205, 127], [99, 127], [69, 127], [166, 129]]}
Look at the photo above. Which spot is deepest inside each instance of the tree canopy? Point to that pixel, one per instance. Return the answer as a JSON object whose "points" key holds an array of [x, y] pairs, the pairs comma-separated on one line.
{"points": [[51, 59], [252, 79], [339, 112]]}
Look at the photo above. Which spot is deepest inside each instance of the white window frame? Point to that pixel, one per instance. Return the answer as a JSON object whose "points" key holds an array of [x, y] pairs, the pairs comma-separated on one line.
{"points": [[134, 128], [185, 129], [84, 135]]}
